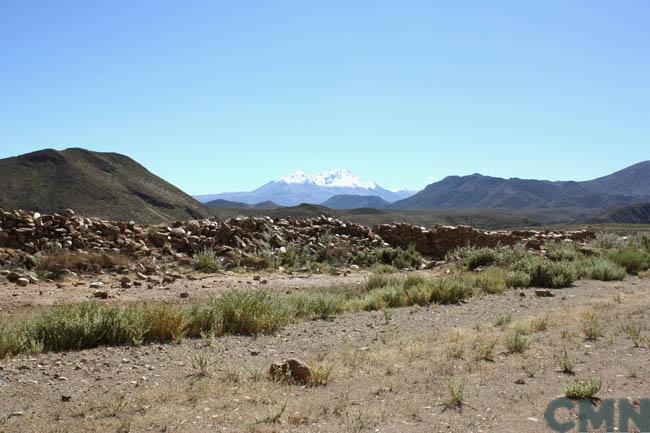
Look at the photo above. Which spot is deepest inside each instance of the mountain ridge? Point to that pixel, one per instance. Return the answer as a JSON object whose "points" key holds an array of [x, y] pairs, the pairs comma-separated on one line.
{"points": [[100, 184], [476, 191]]}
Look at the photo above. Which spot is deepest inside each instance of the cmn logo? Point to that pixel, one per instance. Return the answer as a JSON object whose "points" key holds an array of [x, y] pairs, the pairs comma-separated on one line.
{"points": [[602, 416]]}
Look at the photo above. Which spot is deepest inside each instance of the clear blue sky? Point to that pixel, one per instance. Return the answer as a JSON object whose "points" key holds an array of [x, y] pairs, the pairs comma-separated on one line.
{"points": [[225, 95]]}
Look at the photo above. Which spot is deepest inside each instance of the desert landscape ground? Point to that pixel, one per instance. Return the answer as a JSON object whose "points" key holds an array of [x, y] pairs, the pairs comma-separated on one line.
{"points": [[306, 325]]}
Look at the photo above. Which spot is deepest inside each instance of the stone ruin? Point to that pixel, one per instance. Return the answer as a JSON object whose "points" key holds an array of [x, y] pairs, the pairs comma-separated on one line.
{"points": [[24, 234]]}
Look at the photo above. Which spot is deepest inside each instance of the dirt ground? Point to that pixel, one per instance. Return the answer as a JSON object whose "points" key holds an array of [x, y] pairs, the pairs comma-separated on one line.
{"points": [[388, 371]]}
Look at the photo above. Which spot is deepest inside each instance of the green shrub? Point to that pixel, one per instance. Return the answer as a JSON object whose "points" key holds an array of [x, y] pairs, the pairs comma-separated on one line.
{"points": [[544, 273], [480, 257], [449, 290], [582, 389], [633, 259], [296, 257], [314, 305], [517, 279], [399, 258], [602, 269], [516, 343], [590, 326], [563, 251], [252, 312], [503, 320], [566, 362], [208, 261]]}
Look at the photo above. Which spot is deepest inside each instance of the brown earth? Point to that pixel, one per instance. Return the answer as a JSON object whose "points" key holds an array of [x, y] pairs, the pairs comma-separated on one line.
{"points": [[388, 369]]}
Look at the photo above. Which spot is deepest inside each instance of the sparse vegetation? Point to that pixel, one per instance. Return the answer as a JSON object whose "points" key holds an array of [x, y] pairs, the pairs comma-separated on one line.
{"points": [[633, 331], [208, 261], [566, 362], [480, 257], [580, 389], [484, 348], [633, 259], [456, 393], [503, 320], [516, 343], [590, 326], [544, 273], [202, 363]]}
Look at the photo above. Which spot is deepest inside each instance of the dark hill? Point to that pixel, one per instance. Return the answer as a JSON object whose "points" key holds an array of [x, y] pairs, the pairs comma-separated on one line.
{"points": [[631, 181], [353, 201], [227, 204], [630, 185], [105, 185], [632, 214]]}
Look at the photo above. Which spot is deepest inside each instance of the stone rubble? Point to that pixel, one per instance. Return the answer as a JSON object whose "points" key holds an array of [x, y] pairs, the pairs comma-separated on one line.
{"points": [[25, 234]]}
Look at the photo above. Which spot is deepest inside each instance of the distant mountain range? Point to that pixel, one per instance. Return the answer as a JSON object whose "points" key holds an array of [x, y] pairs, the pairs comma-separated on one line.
{"points": [[627, 186], [106, 185], [300, 187], [113, 186]]}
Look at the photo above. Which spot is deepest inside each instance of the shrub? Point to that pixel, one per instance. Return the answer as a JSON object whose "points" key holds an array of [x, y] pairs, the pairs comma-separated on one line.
{"points": [[252, 312], [503, 320], [296, 257], [409, 258], [633, 331], [484, 348], [602, 269], [536, 324], [590, 326], [456, 391], [517, 279], [607, 241], [449, 290], [491, 280], [566, 362], [516, 343], [510, 255], [480, 257], [582, 389], [545, 273], [208, 261], [633, 259], [563, 251], [314, 305]]}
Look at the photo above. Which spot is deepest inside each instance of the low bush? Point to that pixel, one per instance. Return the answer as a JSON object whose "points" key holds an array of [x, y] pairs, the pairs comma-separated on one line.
{"points": [[208, 261], [516, 343], [399, 258], [480, 257], [544, 273], [563, 251], [252, 312], [633, 259], [602, 269], [580, 389]]}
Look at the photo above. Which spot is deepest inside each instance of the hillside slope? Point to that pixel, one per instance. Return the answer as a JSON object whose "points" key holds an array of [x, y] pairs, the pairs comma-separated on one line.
{"points": [[631, 214], [105, 185], [627, 186], [353, 201]]}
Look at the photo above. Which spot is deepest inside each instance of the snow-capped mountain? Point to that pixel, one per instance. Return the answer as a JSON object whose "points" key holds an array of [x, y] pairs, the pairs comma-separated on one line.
{"points": [[330, 178], [315, 188]]}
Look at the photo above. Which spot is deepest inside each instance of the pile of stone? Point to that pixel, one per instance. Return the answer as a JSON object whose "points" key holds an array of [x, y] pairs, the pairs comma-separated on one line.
{"points": [[23, 234], [437, 241]]}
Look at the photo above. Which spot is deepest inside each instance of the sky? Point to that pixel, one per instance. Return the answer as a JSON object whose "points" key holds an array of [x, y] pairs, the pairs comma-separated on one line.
{"points": [[218, 96]]}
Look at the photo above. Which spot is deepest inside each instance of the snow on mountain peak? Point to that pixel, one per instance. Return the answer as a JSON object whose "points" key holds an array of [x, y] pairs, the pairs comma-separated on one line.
{"points": [[332, 178]]}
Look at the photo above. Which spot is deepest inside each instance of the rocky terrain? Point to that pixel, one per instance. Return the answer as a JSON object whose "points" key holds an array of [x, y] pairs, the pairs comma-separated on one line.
{"points": [[23, 234]]}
